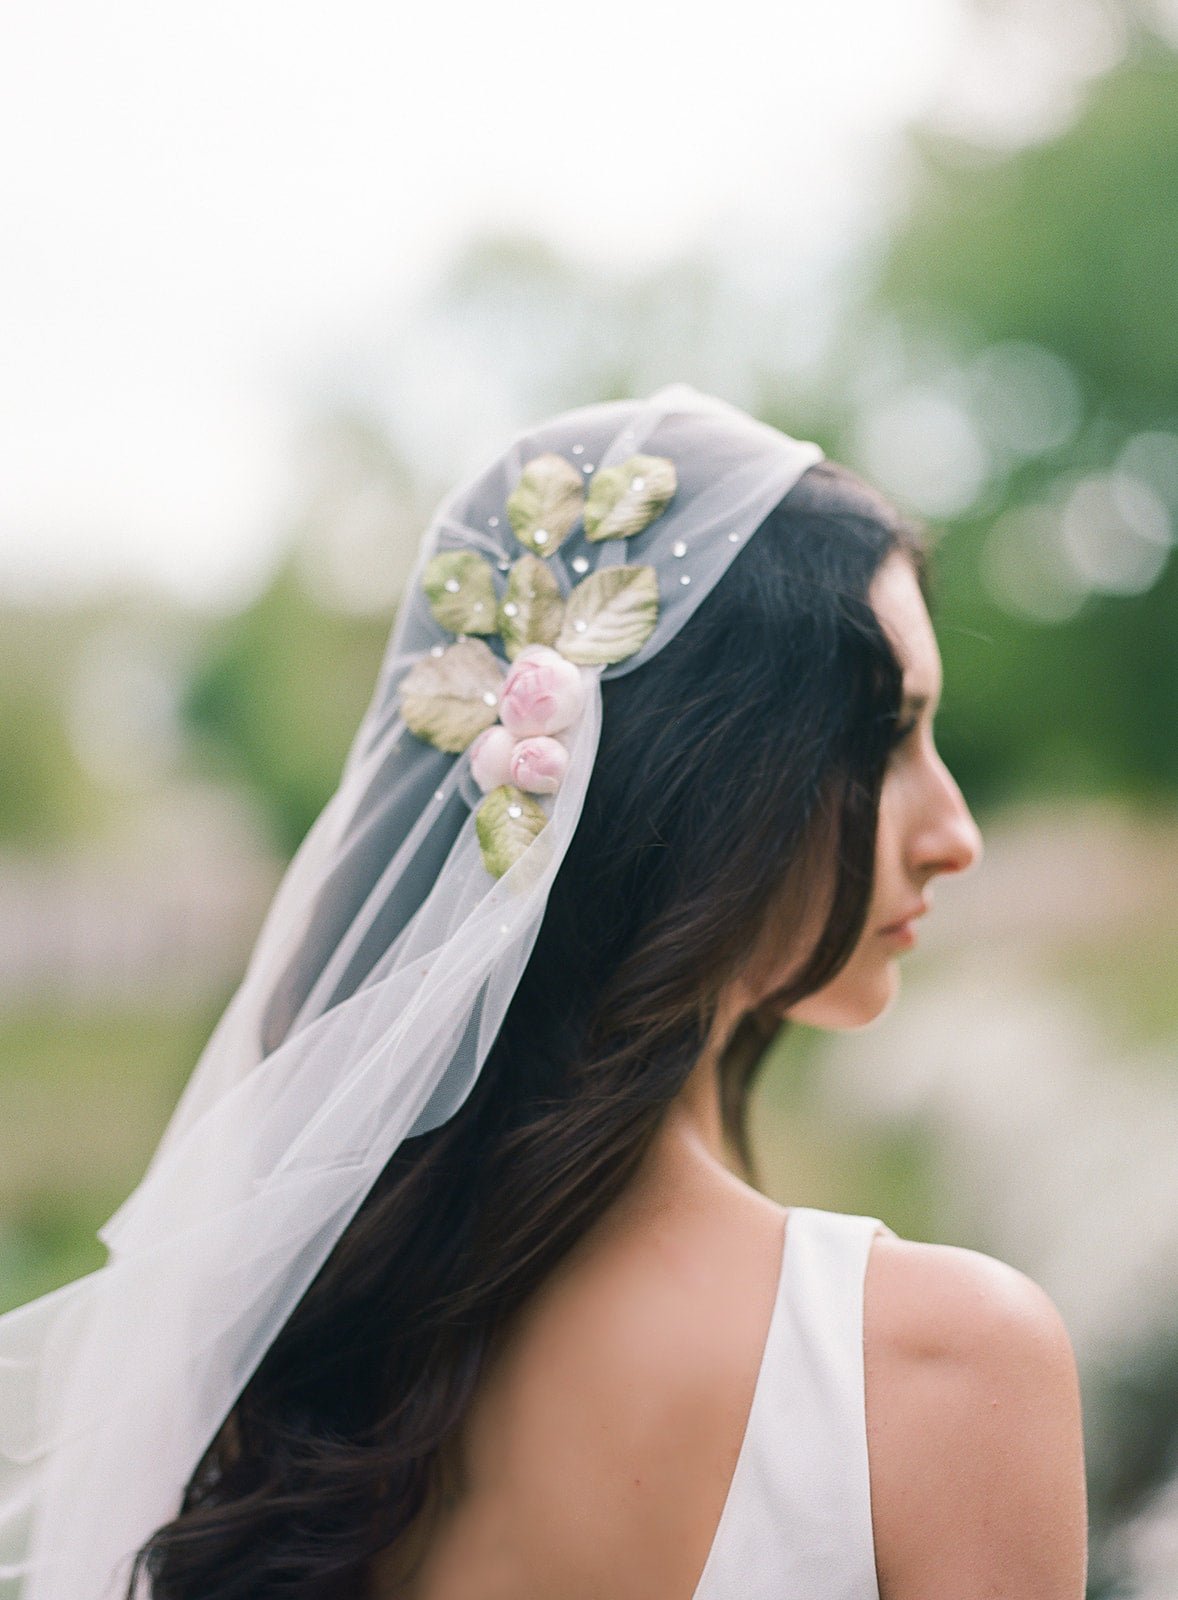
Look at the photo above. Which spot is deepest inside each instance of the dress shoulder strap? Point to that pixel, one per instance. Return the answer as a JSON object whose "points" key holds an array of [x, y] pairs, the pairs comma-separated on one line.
{"points": [[796, 1524]]}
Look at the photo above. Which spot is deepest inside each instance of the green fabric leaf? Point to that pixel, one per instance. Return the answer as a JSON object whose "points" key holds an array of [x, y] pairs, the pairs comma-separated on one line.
{"points": [[627, 498], [450, 698], [546, 503], [531, 609], [617, 609], [506, 822], [461, 592]]}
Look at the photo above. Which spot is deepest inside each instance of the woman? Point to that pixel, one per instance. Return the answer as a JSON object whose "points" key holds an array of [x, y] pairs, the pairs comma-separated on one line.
{"points": [[560, 1347]]}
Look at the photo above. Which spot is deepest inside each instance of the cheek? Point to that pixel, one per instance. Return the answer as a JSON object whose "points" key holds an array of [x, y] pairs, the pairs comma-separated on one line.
{"points": [[888, 841], [870, 979], [869, 982]]}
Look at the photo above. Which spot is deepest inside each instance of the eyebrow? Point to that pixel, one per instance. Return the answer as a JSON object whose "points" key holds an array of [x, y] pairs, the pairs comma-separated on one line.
{"points": [[915, 702]]}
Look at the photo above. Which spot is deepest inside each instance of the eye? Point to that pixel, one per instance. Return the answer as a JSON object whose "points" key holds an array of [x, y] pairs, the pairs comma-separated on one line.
{"points": [[902, 731]]}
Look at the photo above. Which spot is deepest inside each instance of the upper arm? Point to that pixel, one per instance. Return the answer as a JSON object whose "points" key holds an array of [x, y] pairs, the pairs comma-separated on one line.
{"points": [[974, 1430]]}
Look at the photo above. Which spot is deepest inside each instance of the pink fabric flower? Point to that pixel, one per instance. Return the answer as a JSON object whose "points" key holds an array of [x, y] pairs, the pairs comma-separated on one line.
{"points": [[490, 757], [541, 694], [538, 764]]}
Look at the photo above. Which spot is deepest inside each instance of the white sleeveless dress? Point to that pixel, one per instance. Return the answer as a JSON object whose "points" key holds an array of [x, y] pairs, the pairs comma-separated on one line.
{"points": [[796, 1524]]}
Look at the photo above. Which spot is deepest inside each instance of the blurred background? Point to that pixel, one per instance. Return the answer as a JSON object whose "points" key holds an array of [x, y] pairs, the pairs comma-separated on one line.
{"points": [[272, 277]]}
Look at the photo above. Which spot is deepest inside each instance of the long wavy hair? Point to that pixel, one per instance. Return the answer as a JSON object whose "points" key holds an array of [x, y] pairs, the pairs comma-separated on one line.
{"points": [[739, 773]]}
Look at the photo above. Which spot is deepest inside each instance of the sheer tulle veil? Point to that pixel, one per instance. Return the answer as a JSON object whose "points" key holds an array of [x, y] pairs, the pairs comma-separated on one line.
{"points": [[377, 984]]}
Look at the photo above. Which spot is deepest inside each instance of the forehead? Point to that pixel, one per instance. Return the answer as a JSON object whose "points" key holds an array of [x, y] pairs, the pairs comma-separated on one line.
{"points": [[898, 603]]}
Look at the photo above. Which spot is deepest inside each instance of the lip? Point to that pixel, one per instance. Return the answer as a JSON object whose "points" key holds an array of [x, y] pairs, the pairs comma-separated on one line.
{"points": [[903, 925]]}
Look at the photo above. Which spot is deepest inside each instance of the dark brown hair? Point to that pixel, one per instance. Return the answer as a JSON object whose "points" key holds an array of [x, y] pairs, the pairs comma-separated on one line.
{"points": [[738, 770]]}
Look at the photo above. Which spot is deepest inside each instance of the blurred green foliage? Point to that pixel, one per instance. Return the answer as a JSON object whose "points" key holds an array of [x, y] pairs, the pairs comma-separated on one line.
{"points": [[1069, 246], [1082, 707], [83, 1100], [278, 696], [44, 792]]}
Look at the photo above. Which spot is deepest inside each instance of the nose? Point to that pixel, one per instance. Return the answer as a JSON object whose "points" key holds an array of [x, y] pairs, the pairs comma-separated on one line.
{"points": [[946, 839]]}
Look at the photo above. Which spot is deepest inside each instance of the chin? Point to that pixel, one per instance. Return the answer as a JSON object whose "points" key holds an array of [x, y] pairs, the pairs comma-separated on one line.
{"points": [[851, 1000]]}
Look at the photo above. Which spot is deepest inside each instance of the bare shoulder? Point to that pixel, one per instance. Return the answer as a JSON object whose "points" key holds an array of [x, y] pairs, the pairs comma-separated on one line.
{"points": [[938, 1300], [974, 1429]]}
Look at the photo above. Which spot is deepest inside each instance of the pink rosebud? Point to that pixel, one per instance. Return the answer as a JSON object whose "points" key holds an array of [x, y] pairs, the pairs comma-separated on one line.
{"points": [[538, 764], [490, 757], [541, 694]]}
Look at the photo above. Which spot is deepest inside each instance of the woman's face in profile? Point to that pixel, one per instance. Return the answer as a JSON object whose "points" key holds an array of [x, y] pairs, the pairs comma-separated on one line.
{"points": [[925, 826]]}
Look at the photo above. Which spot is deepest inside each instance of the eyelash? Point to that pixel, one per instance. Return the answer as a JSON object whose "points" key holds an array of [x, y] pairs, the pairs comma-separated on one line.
{"points": [[902, 730]]}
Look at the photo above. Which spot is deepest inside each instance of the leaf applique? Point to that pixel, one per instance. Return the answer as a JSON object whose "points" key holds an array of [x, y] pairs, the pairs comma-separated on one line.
{"points": [[506, 823], [450, 698], [532, 608], [623, 500], [460, 591], [609, 615], [546, 503]]}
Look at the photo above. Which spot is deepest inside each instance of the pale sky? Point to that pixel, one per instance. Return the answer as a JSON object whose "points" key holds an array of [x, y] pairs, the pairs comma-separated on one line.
{"points": [[202, 203]]}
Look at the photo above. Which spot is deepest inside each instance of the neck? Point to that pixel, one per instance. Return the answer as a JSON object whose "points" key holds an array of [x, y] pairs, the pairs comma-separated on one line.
{"points": [[693, 1127]]}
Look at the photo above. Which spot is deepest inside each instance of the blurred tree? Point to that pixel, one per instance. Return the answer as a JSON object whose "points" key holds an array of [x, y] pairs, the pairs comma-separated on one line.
{"points": [[45, 793], [1066, 247], [43, 796], [1069, 244], [278, 697]]}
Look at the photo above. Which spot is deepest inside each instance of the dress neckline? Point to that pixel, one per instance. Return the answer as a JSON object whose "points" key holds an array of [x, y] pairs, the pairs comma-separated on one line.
{"points": [[712, 1557]]}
